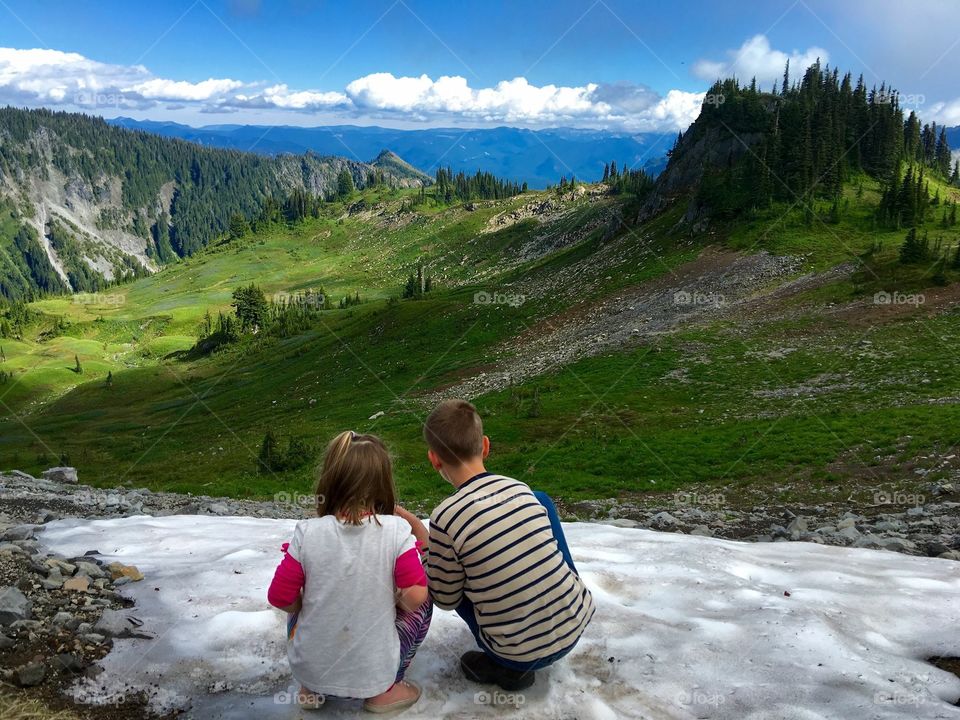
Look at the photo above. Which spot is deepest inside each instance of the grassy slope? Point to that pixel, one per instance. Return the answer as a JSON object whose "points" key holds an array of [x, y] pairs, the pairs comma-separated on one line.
{"points": [[791, 394]]}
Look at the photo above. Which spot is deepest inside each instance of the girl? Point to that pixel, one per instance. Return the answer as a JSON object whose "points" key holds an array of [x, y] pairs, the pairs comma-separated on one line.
{"points": [[352, 580]]}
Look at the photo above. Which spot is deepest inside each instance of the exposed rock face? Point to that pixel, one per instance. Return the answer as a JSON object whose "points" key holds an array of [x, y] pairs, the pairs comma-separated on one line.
{"points": [[714, 147], [61, 474]]}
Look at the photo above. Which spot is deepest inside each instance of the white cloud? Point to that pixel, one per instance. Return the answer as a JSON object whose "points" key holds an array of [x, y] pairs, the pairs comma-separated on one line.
{"points": [[54, 78], [945, 113], [755, 58], [160, 89]]}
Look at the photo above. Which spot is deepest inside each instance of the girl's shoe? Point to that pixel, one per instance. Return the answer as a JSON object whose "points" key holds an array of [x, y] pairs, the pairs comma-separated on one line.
{"points": [[399, 697], [310, 700]]}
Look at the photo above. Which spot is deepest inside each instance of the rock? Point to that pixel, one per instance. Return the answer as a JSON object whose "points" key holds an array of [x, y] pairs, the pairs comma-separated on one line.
{"points": [[45, 515], [20, 475], [797, 526], [119, 570], [663, 519], [53, 582], [622, 522], [19, 532], [14, 605], [93, 638], [950, 555], [914, 511], [6, 642], [65, 567], [90, 569], [117, 623], [61, 475], [936, 548], [846, 523], [888, 526], [9, 548], [62, 618], [378, 414], [30, 674], [702, 531], [80, 583], [218, 509], [849, 533], [70, 663]]}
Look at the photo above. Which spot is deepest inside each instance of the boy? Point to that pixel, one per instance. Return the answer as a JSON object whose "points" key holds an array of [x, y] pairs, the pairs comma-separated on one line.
{"points": [[498, 557]]}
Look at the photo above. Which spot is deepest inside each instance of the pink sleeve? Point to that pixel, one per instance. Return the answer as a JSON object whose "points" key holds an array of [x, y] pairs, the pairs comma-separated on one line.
{"points": [[287, 582], [409, 570]]}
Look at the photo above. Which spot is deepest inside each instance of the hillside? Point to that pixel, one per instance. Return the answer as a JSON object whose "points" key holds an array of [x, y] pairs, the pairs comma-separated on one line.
{"points": [[83, 203], [537, 157], [620, 338]]}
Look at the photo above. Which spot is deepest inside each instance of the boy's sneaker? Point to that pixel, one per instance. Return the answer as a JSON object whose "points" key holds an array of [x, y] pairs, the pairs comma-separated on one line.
{"points": [[481, 668]]}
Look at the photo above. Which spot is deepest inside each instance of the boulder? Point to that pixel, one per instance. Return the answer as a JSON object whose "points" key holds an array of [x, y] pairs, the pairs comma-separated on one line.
{"points": [[119, 570], [18, 532], [80, 583], [119, 624], [30, 674], [622, 522], [849, 533], [663, 519], [14, 605], [67, 475]]}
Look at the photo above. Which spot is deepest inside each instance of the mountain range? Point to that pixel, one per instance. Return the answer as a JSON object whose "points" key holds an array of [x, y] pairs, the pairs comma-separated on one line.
{"points": [[537, 157]]}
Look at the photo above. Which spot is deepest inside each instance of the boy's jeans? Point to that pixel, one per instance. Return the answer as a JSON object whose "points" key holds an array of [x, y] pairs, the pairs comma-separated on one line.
{"points": [[465, 608]]}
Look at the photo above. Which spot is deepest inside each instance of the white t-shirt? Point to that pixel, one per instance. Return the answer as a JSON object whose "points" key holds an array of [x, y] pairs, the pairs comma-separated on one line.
{"points": [[346, 641]]}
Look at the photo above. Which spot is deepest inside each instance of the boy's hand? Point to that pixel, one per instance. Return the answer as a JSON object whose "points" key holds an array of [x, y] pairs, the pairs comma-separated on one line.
{"points": [[419, 530]]}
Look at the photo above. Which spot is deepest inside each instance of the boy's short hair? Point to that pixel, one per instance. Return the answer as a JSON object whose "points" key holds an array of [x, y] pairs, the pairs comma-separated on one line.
{"points": [[454, 431]]}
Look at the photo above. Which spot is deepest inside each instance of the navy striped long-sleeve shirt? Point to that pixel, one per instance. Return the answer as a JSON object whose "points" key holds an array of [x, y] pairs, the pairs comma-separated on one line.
{"points": [[492, 543]]}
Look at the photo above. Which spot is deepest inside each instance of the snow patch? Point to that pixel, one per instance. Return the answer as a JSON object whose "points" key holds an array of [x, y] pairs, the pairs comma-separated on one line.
{"points": [[686, 627]]}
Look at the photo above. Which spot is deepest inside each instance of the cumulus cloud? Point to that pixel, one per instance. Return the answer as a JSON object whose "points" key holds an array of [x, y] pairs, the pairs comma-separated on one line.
{"points": [[945, 113], [756, 58], [55, 78], [160, 89]]}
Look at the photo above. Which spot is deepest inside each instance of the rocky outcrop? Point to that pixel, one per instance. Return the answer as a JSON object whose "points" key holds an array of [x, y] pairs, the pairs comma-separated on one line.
{"points": [[698, 151]]}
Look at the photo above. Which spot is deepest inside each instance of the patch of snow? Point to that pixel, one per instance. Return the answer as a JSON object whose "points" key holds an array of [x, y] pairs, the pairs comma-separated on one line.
{"points": [[686, 627]]}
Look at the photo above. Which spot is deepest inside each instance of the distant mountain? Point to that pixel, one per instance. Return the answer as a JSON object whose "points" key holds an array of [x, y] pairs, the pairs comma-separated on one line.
{"points": [[537, 157], [83, 202]]}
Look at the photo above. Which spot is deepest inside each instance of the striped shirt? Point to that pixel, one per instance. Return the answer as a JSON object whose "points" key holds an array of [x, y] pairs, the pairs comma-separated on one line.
{"points": [[492, 543]]}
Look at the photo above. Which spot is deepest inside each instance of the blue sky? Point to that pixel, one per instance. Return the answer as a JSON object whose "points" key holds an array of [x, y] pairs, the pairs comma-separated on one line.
{"points": [[590, 63]]}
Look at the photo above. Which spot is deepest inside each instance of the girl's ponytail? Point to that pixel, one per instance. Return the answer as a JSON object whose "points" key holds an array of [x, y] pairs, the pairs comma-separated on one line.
{"points": [[356, 478]]}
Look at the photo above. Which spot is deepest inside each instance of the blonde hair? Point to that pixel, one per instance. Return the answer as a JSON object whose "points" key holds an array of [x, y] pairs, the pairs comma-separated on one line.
{"points": [[356, 478]]}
